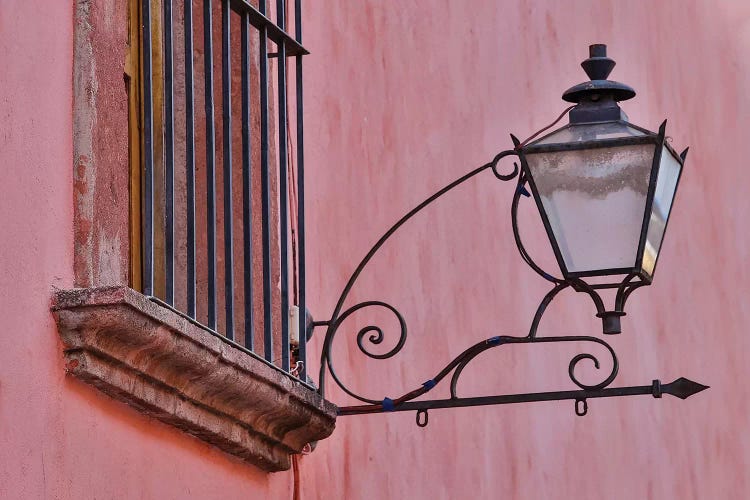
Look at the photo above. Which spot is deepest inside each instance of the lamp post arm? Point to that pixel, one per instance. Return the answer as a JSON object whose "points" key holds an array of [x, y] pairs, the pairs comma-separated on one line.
{"points": [[333, 323], [681, 388]]}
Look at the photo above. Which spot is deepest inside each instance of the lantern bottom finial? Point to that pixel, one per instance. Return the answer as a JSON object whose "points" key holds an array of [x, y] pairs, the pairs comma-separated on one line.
{"points": [[611, 322]]}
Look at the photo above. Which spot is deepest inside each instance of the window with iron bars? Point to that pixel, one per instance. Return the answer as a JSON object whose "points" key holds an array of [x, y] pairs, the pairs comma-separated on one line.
{"points": [[217, 169]]}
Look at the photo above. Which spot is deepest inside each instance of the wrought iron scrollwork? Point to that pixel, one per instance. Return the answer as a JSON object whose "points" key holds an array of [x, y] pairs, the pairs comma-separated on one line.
{"points": [[337, 317], [374, 335]]}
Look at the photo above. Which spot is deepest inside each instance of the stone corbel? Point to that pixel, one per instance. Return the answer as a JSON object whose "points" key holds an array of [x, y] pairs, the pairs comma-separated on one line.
{"points": [[168, 367]]}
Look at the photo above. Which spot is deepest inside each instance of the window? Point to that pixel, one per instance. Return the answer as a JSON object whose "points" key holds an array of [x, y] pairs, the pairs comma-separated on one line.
{"points": [[191, 325], [217, 195]]}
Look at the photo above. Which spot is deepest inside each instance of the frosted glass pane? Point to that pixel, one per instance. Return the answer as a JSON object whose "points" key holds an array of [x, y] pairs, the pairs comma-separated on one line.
{"points": [[594, 200], [590, 132], [666, 183]]}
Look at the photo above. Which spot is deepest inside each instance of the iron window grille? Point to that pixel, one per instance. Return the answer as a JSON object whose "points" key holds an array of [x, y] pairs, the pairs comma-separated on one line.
{"points": [[200, 236]]}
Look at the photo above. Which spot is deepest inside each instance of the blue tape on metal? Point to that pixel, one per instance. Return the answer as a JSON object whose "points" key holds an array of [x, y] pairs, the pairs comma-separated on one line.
{"points": [[429, 384], [493, 340], [522, 189], [388, 404]]}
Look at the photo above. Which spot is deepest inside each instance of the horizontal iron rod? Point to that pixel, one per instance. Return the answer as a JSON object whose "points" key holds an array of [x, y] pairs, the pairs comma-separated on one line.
{"points": [[275, 33], [655, 389]]}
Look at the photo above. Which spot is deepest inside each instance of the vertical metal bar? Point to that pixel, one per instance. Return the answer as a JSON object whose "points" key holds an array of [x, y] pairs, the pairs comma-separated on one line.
{"points": [[226, 103], [190, 157], [265, 190], [169, 156], [302, 328], [210, 165], [283, 190], [247, 205], [148, 152]]}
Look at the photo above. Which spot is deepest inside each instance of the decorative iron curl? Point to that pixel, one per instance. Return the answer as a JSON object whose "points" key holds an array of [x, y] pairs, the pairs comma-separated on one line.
{"points": [[580, 357], [467, 356], [457, 365], [377, 337], [496, 172]]}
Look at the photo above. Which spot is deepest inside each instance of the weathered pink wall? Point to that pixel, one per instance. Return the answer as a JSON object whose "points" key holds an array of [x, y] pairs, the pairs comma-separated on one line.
{"points": [[401, 100], [405, 98]]}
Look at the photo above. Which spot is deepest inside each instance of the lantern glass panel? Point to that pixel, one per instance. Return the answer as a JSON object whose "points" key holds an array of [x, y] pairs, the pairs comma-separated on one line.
{"points": [[666, 184], [594, 200], [590, 132]]}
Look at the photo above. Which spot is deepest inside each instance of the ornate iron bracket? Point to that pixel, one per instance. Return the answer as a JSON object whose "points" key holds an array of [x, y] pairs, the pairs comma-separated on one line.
{"points": [[373, 334]]}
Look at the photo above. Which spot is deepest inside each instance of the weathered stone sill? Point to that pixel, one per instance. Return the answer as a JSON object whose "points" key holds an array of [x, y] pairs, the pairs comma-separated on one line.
{"points": [[167, 367]]}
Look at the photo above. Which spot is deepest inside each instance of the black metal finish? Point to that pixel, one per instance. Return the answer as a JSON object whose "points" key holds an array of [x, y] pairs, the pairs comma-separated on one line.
{"points": [[169, 156], [338, 316], [595, 106], [283, 190], [597, 67], [374, 335], [210, 162], [681, 158], [681, 388], [273, 32], [650, 197], [148, 154], [625, 276], [274, 338], [589, 145], [301, 300], [190, 159], [265, 190], [226, 103]]}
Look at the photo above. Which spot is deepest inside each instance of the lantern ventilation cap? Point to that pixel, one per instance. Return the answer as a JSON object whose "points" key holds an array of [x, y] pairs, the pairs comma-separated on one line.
{"points": [[598, 67]]}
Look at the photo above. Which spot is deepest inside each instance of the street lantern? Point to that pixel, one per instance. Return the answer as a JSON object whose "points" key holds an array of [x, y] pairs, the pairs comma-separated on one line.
{"points": [[604, 187], [605, 190]]}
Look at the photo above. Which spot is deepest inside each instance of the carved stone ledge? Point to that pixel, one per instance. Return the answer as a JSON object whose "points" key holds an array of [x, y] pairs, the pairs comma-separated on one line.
{"points": [[172, 369]]}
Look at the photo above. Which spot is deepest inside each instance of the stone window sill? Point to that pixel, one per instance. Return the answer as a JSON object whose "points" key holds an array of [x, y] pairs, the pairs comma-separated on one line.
{"points": [[157, 361]]}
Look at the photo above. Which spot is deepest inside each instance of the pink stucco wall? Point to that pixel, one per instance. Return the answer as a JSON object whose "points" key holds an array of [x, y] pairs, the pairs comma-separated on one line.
{"points": [[401, 100], [417, 96]]}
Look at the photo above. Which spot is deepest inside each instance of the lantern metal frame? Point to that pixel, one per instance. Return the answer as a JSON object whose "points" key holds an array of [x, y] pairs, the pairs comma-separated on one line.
{"points": [[659, 140], [598, 67]]}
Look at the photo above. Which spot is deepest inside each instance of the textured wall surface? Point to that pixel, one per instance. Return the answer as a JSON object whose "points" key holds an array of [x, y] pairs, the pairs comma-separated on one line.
{"points": [[400, 100], [409, 98]]}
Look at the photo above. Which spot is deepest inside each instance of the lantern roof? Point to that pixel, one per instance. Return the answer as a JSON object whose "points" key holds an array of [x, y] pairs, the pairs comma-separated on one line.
{"points": [[581, 132]]}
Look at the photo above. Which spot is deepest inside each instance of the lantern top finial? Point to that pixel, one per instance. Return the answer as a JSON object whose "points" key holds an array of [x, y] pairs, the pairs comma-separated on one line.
{"points": [[598, 67]]}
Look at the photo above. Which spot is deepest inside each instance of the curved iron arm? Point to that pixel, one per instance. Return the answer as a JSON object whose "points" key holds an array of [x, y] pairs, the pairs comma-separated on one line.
{"points": [[335, 320]]}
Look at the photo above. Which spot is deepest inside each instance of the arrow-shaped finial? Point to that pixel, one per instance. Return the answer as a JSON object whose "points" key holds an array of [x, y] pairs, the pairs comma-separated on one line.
{"points": [[683, 388]]}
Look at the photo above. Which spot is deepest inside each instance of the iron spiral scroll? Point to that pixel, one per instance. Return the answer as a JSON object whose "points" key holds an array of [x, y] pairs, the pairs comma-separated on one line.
{"points": [[374, 335]]}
